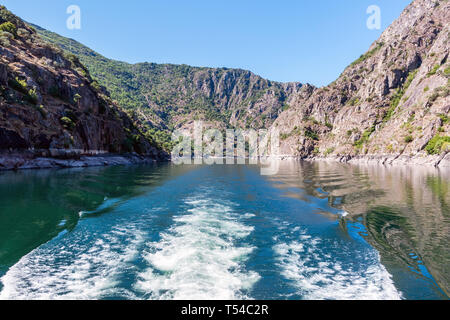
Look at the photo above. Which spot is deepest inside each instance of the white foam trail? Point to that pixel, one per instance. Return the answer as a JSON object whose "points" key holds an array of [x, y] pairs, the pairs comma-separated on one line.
{"points": [[198, 257], [74, 271], [318, 276]]}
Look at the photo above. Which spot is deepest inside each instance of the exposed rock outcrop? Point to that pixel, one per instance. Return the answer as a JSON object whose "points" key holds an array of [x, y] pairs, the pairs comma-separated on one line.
{"points": [[392, 104]]}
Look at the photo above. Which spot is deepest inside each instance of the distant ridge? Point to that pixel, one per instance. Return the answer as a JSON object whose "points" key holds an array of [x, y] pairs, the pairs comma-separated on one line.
{"points": [[167, 96]]}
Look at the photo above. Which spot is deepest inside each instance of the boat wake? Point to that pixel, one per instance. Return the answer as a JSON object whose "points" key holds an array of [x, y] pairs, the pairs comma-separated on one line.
{"points": [[200, 256], [74, 270], [313, 267]]}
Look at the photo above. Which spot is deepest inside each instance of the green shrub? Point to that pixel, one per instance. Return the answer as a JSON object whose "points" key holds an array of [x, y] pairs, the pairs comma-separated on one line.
{"points": [[410, 79], [19, 85], [353, 101], [390, 148], [32, 28], [311, 135], [96, 86], [32, 96], [162, 139], [9, 27], [395, 101], [67, 123], [76, 98], [397, 97], [447, 71], [409, 139], [22, 87], [329, 151], [365, 137], [73, 59], [81, 72], [367, 55], [433, 71], [445, 119], [438, 144]]}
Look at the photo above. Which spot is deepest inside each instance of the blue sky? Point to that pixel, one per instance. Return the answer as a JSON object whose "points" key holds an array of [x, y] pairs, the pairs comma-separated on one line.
{"points": [[283, 40]]}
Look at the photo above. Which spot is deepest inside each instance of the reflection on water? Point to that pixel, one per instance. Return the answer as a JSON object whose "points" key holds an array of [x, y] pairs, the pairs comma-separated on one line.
{"points": [[406, 210], [37, 205]]}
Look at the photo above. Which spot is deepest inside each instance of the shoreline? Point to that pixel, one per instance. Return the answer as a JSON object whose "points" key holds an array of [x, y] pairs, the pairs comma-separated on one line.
{"points": [[33, 161], [25, 161], [436, 161]]}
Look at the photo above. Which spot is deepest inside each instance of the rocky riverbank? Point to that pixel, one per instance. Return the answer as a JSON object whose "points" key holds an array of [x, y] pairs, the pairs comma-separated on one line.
{"points": [[24, 161], [437, 161]]}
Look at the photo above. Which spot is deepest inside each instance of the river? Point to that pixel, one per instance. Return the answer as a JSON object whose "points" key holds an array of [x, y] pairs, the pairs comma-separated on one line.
{"points": [[311, 231]]}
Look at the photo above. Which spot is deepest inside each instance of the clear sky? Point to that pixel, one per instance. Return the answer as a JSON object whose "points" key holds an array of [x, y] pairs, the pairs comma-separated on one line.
{"points": [[283, 40]]}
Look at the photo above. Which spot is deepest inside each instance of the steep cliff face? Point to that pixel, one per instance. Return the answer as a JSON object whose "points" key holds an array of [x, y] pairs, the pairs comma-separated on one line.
{"points": [[48, 101], [237, 98], [392, 103]]}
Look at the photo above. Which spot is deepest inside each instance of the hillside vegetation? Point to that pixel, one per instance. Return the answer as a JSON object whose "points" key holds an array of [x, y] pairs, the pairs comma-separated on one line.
{"points": [[165, 96]]}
